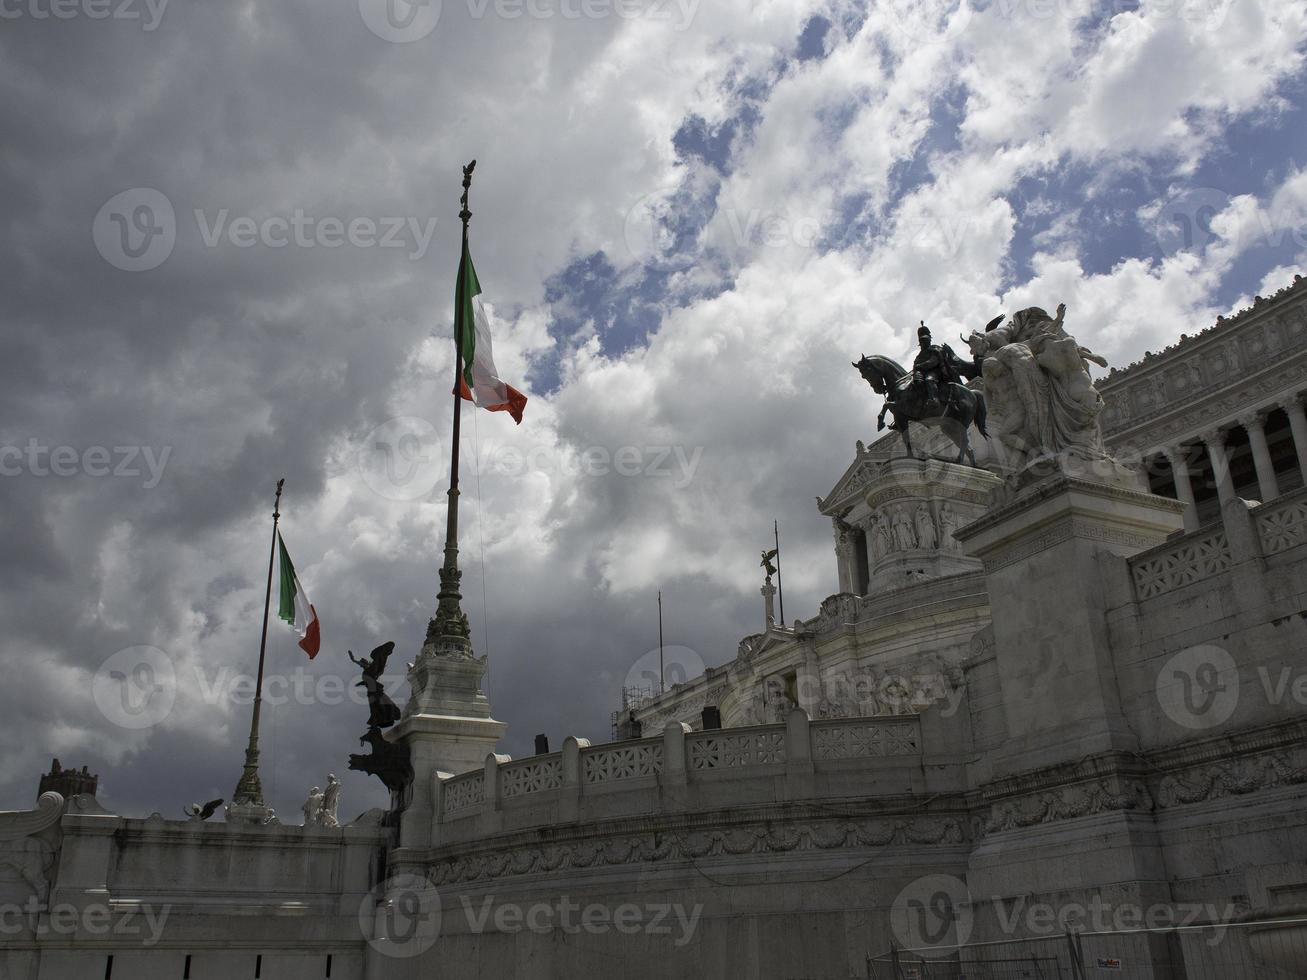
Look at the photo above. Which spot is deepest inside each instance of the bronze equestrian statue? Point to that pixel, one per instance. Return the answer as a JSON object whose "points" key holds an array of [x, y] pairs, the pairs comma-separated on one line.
{"points": [[932, 393]]}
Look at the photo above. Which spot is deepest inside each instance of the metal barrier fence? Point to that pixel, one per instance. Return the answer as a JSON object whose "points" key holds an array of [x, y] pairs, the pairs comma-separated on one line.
{"points": [[1273, 949]]}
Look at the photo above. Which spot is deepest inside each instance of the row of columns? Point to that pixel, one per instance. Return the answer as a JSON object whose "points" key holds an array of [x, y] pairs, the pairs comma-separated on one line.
{"points": [[1214, 439]]}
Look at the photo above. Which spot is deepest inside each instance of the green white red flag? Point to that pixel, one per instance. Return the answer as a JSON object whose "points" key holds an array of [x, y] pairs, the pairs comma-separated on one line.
{"points": [[294, 606], [479, 380]]}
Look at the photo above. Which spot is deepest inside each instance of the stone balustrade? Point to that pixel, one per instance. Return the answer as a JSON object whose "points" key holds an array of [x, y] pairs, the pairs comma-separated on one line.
{"points": [[1244, 531], [684, 770]]}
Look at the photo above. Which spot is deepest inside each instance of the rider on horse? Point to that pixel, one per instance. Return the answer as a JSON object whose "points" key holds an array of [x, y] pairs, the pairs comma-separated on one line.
{"points": [[935, 368]]}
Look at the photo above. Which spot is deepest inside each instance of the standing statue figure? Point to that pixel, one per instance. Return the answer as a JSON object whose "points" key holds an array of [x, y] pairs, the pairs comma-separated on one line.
{"points": [[881, 542], [932, 394], [905, 537], [948, 523], [312, 808], [926, 536], [1038, 384], [767, 565], [382, 712], [330, 801]]}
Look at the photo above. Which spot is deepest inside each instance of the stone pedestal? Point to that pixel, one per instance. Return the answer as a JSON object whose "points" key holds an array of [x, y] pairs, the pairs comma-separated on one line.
{"points": [[768, 592], [447, 728], [1051, 553], [909, 515], [255, 814]]}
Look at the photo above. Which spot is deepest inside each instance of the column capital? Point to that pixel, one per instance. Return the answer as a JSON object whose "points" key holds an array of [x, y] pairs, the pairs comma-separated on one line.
{"points": [[1213, 437], [1291, 402], [1172, 453], [1254, 419]]}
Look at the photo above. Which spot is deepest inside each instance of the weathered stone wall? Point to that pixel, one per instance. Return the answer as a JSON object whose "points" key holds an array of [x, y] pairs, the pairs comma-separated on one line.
{"points": [[1130, 729], [150, 893]]}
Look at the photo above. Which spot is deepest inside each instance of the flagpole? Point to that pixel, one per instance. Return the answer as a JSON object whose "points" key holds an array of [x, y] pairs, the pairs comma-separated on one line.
{"points": [[450, 621], [662, 682], [249, 791], [780, 589]]}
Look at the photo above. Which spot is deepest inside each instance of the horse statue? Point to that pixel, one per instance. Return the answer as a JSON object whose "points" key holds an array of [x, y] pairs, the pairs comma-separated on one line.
{"points": [[954, 412]]}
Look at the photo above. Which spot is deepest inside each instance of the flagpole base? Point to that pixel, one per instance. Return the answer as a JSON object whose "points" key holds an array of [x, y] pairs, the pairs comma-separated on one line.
{"points": [[251, 814]]}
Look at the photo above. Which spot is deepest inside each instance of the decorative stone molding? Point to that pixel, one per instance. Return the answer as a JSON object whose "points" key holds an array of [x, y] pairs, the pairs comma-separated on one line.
{"points": [[1064, 531], [24, 823], [1224, 779], [837, 611], [1107, 794], [1189, 416], [682, 844], [1173, 566], [1248, 351]]}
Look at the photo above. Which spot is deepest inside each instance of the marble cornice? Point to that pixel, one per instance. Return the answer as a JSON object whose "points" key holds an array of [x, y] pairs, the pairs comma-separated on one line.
{"points": [[1216, 407], [827, 824], [1048, 490], [1224, 329]]}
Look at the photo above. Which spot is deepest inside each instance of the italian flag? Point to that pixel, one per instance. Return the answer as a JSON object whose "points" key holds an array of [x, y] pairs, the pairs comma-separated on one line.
{"points": [[295, 607], [479, 382]]}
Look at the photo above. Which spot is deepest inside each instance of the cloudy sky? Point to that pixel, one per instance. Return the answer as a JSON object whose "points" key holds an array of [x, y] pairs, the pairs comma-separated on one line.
{"points": [[229, 234]]}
